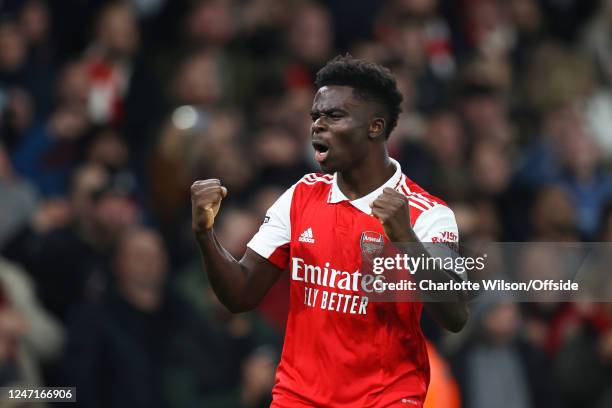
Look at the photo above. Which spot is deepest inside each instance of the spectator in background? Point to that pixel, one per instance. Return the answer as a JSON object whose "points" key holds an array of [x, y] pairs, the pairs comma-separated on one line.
{"points": [[529, 30], [196, 89], [584, 363], [48, 153], [438, 160], [484, 102], [553, 216], [588, 185], [116, 346], [141, 345], [309, 40], [109, 62], [280, 157], [30, 338], [597, 39], [210, 25], [101, 209], [73, 84], [17, 108], [19, 199], [520, 377], [123, 90]]}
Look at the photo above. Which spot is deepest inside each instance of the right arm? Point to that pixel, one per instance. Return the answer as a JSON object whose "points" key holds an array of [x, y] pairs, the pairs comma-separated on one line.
{"points": [[239, 285]]}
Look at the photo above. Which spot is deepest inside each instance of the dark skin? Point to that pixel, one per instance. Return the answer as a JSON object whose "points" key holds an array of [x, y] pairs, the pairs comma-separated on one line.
{"points": [[349, 134]]}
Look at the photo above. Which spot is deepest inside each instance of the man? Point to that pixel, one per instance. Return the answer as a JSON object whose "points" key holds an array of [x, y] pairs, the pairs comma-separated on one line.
{"points": [[339, 350]]}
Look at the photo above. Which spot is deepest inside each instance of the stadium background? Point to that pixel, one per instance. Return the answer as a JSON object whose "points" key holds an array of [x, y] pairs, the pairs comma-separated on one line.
{"points": [[109, 111]]}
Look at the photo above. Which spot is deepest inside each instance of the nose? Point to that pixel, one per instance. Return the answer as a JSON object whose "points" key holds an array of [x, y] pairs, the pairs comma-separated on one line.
{"points": [[318, 126]]}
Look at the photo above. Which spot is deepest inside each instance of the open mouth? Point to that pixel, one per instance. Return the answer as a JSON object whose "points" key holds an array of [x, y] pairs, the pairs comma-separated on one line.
{"points": [[321, 150]]}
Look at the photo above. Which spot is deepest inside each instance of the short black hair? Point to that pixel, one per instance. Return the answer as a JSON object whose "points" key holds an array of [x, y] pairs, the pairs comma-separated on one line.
{"points": [[371, 82]]}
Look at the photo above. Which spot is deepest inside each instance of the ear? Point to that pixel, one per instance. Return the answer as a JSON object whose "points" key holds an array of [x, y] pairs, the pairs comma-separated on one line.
{"points": [[377, 128]]}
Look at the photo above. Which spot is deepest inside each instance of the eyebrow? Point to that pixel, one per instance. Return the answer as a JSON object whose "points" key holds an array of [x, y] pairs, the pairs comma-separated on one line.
{"points": [[328, 110]]}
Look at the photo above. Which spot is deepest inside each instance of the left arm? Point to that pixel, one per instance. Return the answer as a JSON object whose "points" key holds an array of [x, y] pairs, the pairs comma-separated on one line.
{"points": [[391, 208]]}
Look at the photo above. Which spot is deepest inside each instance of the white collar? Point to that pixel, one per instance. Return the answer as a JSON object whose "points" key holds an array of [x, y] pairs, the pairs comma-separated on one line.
{"points": [[363, 203]]}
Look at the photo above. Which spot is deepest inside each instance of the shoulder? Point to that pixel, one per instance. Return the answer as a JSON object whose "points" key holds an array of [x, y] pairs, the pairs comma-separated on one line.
{"points": [[309, 186], [422, 202], [313, 186], [428, 213], [318, 179]]}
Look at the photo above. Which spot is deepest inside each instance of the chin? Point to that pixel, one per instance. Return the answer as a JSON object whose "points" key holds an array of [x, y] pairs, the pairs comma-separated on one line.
{"points": [[326, 169]]}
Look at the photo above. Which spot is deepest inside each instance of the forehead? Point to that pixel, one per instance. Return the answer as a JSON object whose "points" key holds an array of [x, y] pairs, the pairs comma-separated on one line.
{"points": [[336, 96]]}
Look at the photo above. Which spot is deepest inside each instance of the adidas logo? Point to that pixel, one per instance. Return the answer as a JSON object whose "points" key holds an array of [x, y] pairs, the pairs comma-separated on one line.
{"points": [[307, 236]]}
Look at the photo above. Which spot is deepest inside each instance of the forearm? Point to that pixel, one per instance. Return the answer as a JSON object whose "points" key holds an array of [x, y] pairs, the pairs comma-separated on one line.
{"points": [[449, 308], [227, 276]]}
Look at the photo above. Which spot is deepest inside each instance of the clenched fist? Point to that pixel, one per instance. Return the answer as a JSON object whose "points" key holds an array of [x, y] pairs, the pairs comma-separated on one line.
{"points": [[391, 209], [206, 196]]}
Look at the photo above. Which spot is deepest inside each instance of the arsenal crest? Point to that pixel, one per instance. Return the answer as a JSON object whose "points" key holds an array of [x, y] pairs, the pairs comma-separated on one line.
{"points": [[372, 244]]}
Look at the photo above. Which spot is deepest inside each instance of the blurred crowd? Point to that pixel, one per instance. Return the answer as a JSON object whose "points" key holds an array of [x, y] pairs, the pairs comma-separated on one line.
{"points": [[109, 110]]}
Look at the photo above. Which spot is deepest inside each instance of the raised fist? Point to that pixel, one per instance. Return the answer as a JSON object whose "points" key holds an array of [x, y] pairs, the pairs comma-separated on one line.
{"points": [[206, 196], [391, 209]]}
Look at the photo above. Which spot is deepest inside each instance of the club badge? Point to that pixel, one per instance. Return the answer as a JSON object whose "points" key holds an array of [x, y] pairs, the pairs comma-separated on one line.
{"points": [[372, 244]]}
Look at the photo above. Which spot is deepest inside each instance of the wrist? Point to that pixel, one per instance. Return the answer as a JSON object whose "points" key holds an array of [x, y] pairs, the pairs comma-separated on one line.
{"points": [[204, 234], [405, 235]]}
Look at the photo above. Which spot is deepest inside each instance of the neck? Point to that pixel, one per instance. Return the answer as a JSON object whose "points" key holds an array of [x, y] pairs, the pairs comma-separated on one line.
{"points": [[367, 176]]}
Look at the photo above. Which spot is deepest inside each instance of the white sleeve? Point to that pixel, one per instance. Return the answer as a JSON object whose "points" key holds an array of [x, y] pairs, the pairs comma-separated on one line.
{"points": [[275, 231], [437, 225]]}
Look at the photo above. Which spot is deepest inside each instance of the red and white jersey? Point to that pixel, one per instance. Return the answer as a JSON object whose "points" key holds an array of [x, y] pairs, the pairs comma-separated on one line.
{"points": [[341, 350]]}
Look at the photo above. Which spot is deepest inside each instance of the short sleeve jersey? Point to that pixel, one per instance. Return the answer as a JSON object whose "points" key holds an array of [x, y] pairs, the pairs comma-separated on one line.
{"points": [[341, 350]]}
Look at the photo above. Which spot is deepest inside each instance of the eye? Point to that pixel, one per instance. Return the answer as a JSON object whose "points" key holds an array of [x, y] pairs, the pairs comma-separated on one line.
{"points": [[314, 116]]}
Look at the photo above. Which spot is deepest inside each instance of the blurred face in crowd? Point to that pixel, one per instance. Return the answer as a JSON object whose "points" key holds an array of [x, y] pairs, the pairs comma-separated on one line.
{"points": [[485, 116], [141, 267], [12, 47], [477, 221], [35, 21], [73, 84], [410, 45], [277, 147], [445, 138], [236, 229], [553, 216], [310, 36], [211, 22], [19, 110], [117, 30], [340, 128], [68, 122], [87, 180], [102, 213], [526, 15], [114, 213], [198, 81], [488, 27], [417, 8], [490, 168], [501, 323], [108, 150], [266, 196], [579, 152], [546, 262], [6, 169], [235, 170]]}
